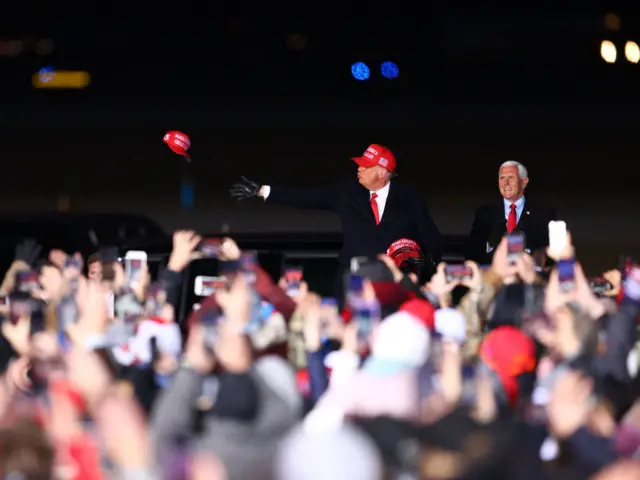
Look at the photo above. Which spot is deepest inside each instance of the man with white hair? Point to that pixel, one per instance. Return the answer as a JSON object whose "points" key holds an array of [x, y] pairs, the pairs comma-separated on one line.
{"points": [[514, 212]]}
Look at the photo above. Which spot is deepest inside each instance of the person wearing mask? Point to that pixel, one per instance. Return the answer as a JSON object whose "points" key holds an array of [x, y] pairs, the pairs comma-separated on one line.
{"points": [[513, 212], [374, 209]]}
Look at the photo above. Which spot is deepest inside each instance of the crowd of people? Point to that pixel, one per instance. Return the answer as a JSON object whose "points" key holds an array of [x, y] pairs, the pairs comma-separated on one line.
{"points": [[519, 376], [511, 365]]}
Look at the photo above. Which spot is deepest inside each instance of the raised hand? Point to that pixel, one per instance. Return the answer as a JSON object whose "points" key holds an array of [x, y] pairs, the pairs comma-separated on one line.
{"points": [[244, 189]]}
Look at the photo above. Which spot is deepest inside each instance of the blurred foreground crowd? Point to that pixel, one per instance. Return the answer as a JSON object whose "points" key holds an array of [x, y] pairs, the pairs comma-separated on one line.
{"points": [[504, 372]]}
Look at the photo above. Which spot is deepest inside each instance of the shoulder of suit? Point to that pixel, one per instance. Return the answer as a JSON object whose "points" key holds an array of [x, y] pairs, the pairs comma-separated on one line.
{"points": [[403, 189], [538, 207]]}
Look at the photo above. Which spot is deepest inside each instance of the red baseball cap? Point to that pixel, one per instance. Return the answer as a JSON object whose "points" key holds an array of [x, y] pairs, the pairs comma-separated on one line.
{"points": [[509, 352], [377, 155], [422, 310], [402, 249], [178, 142]]}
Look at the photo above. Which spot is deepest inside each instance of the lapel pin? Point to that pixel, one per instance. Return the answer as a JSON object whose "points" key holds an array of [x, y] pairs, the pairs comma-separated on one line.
{"points": [[527, 213]]}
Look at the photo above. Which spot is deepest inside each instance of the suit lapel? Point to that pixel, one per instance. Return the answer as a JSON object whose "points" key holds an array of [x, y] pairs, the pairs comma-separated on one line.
{"points": [[500, 214], [362, 202], [524, 217]]}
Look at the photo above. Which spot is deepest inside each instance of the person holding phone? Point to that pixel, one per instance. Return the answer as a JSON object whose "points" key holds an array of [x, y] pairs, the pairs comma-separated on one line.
{"points": [[513, 213], [374, 209]]}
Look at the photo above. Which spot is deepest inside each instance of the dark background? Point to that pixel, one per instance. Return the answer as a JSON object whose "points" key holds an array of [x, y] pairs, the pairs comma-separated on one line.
{"points": [[477, 86]]}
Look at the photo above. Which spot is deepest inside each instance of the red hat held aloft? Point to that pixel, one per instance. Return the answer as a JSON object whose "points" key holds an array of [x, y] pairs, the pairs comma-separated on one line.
{"points": [[178, 142]]}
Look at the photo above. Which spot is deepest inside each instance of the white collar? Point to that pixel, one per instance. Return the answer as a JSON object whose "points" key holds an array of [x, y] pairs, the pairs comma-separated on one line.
{"points": [[518, 203], [383, 193]]}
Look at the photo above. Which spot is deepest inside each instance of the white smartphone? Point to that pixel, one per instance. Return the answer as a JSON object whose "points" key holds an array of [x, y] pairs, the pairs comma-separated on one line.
{"points": [[354, 266], [557, 236], [205, 286], [134, 262]]}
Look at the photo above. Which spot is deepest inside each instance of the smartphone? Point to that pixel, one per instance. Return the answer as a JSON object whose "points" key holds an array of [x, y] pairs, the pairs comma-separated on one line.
{"points": [[515, 246], [599, 285], [355, 263], [155, 299], [210, 247], [293, 279], [204, 286], [328, 306], [73, 262], [557, 236], [458, 272], [354, 289], [366, 315], [26, 282], [210, 321], [566, 275], [468, 397], [247, 265], [134, 263]]}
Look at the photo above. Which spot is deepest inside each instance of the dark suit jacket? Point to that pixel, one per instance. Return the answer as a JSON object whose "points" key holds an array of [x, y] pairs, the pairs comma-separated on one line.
{"points": [[490, 225], [405, 216]]}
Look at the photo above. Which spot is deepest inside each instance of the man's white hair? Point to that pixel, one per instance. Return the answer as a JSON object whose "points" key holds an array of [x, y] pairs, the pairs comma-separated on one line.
{"points": [[522, 170]]}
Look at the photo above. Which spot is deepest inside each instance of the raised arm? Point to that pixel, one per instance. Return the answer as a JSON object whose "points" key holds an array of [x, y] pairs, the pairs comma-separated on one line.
{"points": [[308, 198]]}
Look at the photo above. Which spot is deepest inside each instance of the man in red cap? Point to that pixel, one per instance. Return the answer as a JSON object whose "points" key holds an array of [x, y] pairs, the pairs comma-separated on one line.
{"points": [[375, 211]]}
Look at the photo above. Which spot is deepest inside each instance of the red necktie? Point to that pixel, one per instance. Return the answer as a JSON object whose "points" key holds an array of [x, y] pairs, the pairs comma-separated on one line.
{"points": [[512, 220], [374, 207]]}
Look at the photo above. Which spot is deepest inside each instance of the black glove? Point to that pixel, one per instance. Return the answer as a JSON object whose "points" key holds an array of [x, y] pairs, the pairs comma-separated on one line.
{"points": [[244, 189], [27, 251], [497, 232]]}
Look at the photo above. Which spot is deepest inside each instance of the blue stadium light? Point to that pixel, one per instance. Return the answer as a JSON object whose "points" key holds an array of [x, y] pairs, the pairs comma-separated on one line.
{"points": [[389, 70], [360, 71], [46, 74]]}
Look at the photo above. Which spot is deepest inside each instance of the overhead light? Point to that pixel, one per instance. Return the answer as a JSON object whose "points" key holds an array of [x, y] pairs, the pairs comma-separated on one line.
{"points": [[360, 71], [389, 70], [632, 52], [608, 51], [48, 78]]}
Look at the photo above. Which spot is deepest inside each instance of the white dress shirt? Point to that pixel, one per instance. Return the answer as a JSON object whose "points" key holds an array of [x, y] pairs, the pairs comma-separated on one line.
{"points": [[381, 199], [507, 210]]}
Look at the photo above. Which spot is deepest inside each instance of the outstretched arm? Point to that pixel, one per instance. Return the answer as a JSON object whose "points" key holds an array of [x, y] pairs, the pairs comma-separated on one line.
{"points": [[309, 198]]}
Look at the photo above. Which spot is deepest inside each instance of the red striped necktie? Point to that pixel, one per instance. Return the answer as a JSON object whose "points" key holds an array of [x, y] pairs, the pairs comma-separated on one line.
{"points": [[374, 207], [512, 220]]}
